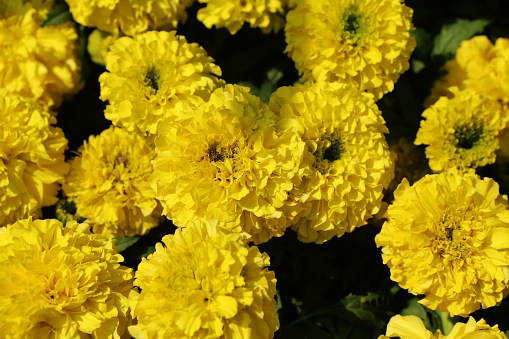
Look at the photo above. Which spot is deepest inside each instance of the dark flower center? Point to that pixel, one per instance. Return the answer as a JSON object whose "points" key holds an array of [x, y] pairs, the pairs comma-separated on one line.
{"points": [[153, 79], [218, 153], [330, 153], [468, 135], [352, 23]]}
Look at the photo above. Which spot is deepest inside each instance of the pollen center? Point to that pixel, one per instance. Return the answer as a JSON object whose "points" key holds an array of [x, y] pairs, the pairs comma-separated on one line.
{"points": [[331, 150], [468, 135], [351, 24], [328, 151], [458, 233], [153, 79], [218, 153]]}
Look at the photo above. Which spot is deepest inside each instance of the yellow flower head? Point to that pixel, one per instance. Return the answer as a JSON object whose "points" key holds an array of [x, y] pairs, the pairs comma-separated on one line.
{"points": [[447, 238], [204, 283], [363, 42], [461, 132], [265, 14], [226, 161], [61, 282], [478, 65], [32, 159], [129, 16], [412, 327], [347, 162], [108, 183], [37, 62], [151, 77]]}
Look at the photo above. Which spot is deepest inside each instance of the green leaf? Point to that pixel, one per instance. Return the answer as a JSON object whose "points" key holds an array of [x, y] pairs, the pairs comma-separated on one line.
{"points": [[362, 306], [449, 39], [279, 303], [125, 242], [58, 15]]}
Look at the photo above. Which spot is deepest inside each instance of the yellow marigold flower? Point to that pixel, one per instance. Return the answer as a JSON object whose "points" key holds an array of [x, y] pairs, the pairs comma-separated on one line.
{"points": [[37, 62], [226, 161], [205, 283], [151, 77], [268, 15], [363, 42], [32, 159], [461, 132], [447, 238], [478, 65], [129, 16], [347, 162], [108, 182], [61, 282], [412, 327]]}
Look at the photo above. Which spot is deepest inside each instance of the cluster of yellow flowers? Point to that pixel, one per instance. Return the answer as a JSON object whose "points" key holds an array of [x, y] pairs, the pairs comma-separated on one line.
{"points": [[229, 169], [446, 237]]}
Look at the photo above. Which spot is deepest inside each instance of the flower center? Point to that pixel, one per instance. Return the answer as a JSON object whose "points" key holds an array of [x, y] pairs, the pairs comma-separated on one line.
{"points": [[458, 233], [468, 135], [331, 150], [327, 152], [217, 153], [153, 79], [351, 24]]}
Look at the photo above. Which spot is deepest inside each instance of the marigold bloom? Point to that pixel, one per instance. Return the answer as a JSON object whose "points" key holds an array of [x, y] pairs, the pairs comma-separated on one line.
{"points": [[412, 327], [151, 76], [347, 162], [204, 283], [461, 132], [37, 62], [129, 16], [108, 182], [268, 15], [226, 161], [32, 159], [61, 282], [483, 67], [478, 65], [364, 42], [447, 238]]}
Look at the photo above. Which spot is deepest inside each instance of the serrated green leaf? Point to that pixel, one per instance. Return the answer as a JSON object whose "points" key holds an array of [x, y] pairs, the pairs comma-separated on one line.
{"points": [[449, 39], [58, 15], [125, 242]]}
